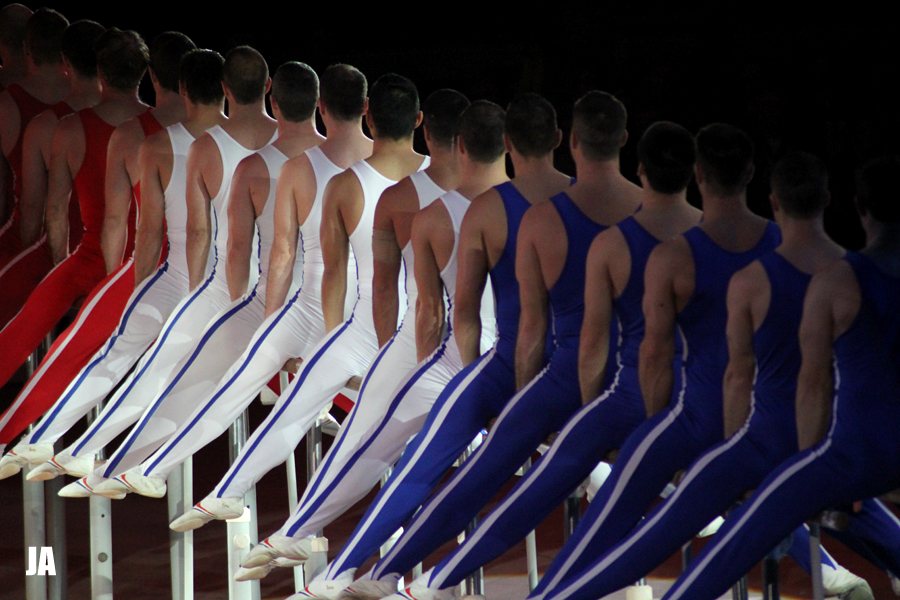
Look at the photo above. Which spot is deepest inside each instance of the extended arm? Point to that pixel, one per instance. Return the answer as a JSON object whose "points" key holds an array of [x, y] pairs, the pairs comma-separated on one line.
{"points": [[119, 196], [36, 149], [815, 384], [534, 299], [593, 350], [59, 188], [241, 225], [151, 227], [471, 278], [284, 246], [386, 252], [430, 302], [335, 249], [658, 347], [738, 381], [199, 227]]}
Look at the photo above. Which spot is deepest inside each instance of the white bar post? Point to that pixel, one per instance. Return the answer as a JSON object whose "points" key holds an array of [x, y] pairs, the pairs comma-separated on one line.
{"points": [[241, 532]]}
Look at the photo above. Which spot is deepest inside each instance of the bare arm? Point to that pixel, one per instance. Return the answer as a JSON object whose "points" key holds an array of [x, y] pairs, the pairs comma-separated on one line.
{"points": [[593, 350], [119, 190], [284, 246], [388, 258], [335, 247], [832, 299], [471, 277], [430, 302], [738, 382], [241, 225], [657, 350], [151, 226], [59, 188], [534, 299], [199, 227], [36, 150]]}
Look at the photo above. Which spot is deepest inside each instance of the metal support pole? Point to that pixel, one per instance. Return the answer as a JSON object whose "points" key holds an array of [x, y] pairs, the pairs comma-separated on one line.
{"points": [[572, 514], [739, 590], [474, 583], [101, 535], [35, 533], [57, 587], [815, 557], [770, 578], [181, 545], [318, 559], [241, 532]]}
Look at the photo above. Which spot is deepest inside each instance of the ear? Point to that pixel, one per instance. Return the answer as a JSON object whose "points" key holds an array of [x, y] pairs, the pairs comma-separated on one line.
{"points": [[153, 78], [749, 175], [507, 144], [275, 110], [573, 140], [268, 86], [559, 137], [419, 118], [698, 175], [459, 145], [624, 139], [641, 172], [776, 205]]}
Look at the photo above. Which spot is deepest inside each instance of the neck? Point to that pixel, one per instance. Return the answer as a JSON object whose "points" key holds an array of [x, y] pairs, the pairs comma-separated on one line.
{"points": [[336, 129], [205, 113], [653, 200], [255, 110], [386, 146], [444, 169], [85, 92], [881, 238], [724, 206], [801, 231], [296, 129], [596, 172], [531, 167], [170, 106], [108, 94], [478, 177]]}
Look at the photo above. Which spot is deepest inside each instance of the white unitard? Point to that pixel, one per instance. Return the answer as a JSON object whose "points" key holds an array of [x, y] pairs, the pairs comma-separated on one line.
{"points": [[344, 352], [288, 333]]}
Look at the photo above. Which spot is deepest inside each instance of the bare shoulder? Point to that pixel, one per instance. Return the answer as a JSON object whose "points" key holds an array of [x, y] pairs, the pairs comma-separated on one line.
{"points": [[836, 286], [252, 166], [672, 254], [157, 145], [398, 196], [7, 104], [344, 185], [541, 220], [42, 125], [296, 166], [487, 205], [434, 215], [608, 243], [70, 126], [749, 281]]}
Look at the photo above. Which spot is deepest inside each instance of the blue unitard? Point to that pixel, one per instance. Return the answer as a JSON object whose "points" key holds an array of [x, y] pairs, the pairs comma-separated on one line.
{"points": [[540, 408], [474, 396], [859, 457], [591, 433], [674, 437], [718, 478]]}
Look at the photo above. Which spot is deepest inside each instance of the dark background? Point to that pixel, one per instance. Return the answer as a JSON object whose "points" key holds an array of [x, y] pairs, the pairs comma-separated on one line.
{"points": [[793, 77]]}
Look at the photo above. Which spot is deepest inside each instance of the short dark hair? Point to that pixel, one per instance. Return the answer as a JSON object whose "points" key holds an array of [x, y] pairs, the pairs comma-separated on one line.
{"points": [[343, 92], [442, 110], [13, 19], [245, 73], [599, 120], [531, 125], [201, 75], [394, 106], [43, 36], [725, 155], [668, 153], [78, 46], [481, 129], [166, 51], [122, 58], [876, 188], [295, 88], [800, 182]]}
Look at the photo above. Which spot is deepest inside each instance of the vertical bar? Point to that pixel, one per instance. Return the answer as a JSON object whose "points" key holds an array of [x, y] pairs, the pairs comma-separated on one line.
{"points": [[181, 545], [317, 561], [101, 535], [815, 557], [686, 555], [572, 514], [239, 529], [57, 587], [474, 583], [770, 578], [35, 533], [739, 589]]}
